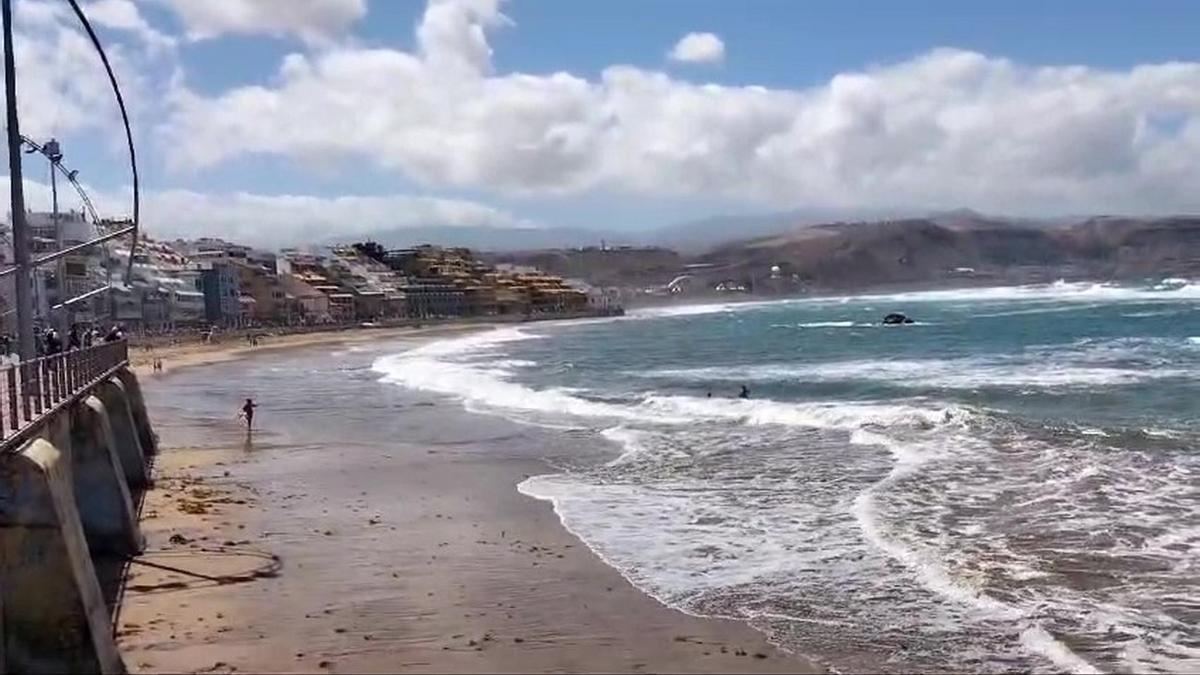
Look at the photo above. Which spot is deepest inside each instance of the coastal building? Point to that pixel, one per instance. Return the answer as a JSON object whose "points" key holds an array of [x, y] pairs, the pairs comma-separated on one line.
{"points": [[307, 304], [369, 304], [551, 295], [127, 303], [211, 281], [453, 282], [164, 281], [341, 306], [259, 283], [511, 298], [211, 247], [78, 274], [78, 269], [359, 288], [264, 259], [219, 281], [430, 297], [186, 305], [281, 298]]}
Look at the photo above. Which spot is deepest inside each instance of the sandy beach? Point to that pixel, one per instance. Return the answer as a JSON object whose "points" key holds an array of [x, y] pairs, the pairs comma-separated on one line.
{"points": [[233, 347], [294, 551]]}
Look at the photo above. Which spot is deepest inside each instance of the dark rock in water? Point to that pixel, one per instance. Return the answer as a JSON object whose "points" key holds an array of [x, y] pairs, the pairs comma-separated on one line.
{"points": [[896, 319]]}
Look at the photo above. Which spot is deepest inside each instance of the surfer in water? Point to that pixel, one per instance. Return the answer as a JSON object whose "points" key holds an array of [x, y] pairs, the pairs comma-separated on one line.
{"points": [[745, 393]]}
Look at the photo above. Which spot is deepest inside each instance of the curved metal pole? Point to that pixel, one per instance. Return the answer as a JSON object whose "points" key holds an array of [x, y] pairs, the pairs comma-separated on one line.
{"points": [[112, 79]]}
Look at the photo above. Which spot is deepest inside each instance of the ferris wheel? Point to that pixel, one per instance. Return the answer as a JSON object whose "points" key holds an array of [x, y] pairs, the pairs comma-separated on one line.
{"points": [[85, 276], [26, 265]]}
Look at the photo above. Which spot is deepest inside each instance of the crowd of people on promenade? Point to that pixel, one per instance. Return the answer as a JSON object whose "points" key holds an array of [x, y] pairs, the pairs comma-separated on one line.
{"points": [[49, 342]]}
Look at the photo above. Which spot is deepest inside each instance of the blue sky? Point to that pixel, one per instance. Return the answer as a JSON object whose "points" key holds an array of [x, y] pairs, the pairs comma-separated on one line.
{"points": [[771, 42], [540, 112]]}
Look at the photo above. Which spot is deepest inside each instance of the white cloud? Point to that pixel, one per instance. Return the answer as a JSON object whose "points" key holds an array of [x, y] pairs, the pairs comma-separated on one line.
{"points": [[63, 92], [313, 21], [451, 34], [943, 129], [276, 220], [698, 48], [124, 15], [62, 87], [273, 220]]}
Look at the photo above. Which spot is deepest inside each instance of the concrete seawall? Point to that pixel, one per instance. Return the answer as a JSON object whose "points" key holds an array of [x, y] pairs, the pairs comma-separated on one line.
{"points": [[68, 498]]}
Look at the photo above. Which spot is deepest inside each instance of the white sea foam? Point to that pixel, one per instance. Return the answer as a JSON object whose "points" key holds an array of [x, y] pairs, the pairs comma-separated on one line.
{"points": [[1040, 308], [429, 368], [1095, 294], [508, 364], [772, 499], [681, 543], [816, 415], [1036, 639], [810, 325], [441, 367], [1163, 433], [444, 367], [1150, 314], [1171, 284], [927, 568], [830, 324], [910, 454], [701, 308], [948, 373], [630, 440], [1059, 290]]}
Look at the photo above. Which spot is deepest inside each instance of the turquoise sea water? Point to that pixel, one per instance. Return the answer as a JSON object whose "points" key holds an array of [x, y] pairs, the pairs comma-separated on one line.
{"points": [[1012, 482]]}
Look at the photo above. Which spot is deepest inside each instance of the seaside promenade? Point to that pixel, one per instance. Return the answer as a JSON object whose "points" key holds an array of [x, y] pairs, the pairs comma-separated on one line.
{"points": [[74, 460]]}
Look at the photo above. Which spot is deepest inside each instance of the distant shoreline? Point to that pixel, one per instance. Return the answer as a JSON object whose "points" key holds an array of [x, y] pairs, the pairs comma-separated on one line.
{"points": [[232, 343], [650, 302], [194, 353]]}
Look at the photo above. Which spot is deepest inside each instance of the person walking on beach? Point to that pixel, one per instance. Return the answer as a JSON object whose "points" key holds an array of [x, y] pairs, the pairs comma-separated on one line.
{"points": [[248, 413]]}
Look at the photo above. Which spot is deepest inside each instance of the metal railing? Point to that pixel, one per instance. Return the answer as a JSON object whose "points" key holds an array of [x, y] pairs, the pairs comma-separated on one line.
{"points": [[32, 391]]}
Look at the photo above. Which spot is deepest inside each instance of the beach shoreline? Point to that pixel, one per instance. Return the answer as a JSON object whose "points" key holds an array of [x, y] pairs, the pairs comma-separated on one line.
{"points": [[233, 347], [290, 557]]}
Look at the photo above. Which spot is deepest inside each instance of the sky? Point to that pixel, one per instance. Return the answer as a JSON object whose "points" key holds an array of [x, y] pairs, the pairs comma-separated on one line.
{"points": [[279, 122]]}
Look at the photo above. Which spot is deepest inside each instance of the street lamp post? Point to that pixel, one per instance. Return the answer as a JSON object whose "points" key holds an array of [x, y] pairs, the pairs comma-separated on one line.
{"points": [[53, 152]]}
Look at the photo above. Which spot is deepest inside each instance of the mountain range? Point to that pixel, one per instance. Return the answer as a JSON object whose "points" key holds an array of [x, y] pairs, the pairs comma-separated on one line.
{"points": [[950, 248], [966, 245], [689, 237], [808, 252]]}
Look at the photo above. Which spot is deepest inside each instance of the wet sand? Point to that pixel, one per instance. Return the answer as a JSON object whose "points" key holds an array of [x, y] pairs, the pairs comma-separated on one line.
{"points": [[292, 553]]}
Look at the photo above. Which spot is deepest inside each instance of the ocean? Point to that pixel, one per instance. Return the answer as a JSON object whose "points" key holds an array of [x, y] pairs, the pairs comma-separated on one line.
{"points": [[1012, 482]]}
